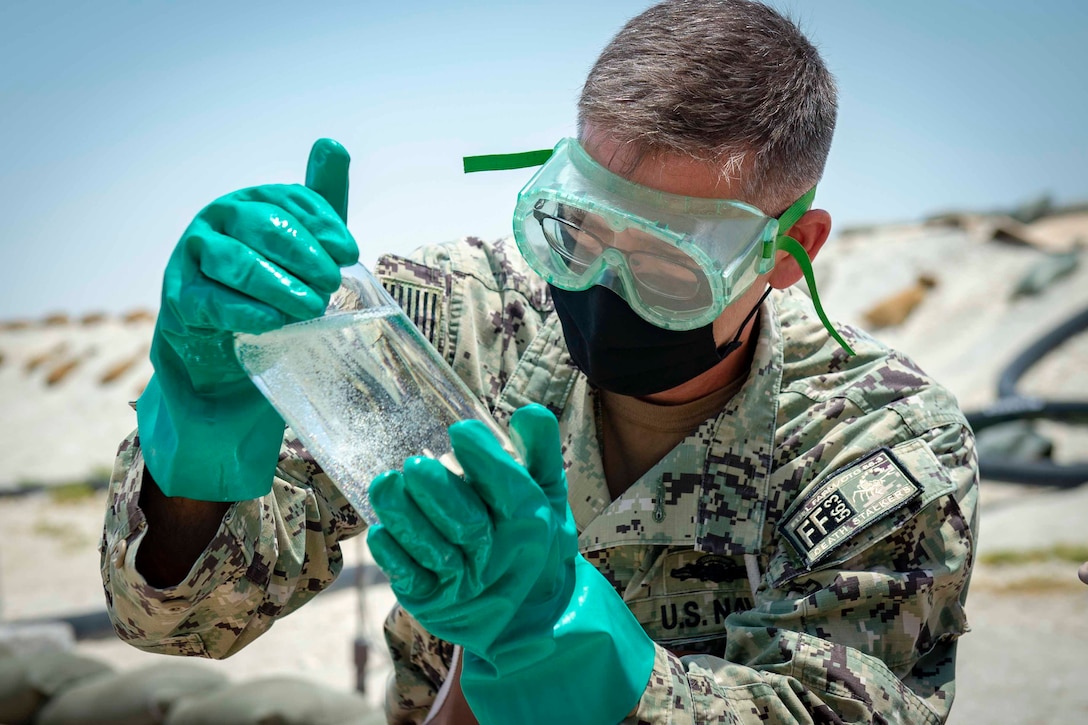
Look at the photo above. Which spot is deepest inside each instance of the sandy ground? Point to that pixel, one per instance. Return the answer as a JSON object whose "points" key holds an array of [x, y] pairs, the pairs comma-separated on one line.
{"points": [[1022, 662], [68, 430], [1024, 659]]}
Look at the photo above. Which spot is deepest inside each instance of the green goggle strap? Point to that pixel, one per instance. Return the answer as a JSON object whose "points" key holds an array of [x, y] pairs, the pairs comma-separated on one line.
{"points": [[792, 247], [785, 222], [505, 162], [527, 159], [796, 211]]}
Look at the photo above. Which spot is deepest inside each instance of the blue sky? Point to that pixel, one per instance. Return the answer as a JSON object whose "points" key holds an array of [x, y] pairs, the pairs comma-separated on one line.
{"points": [[120, 120]]}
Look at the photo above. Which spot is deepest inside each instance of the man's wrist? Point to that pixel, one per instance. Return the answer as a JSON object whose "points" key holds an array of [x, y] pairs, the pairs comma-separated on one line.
{"points": [[178, 532]]}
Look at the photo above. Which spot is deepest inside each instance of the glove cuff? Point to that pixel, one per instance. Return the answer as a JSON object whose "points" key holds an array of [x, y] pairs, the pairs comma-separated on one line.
{"points": [[592, 669], [211, 447]]}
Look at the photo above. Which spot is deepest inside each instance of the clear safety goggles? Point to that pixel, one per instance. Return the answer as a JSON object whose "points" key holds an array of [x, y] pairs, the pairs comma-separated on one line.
{"points": [[678, 261]]}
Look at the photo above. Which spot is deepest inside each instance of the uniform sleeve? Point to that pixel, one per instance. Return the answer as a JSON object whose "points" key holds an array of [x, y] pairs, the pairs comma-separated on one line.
{"points": [[868, 639], [481, 308], [269, 556], [421, 663]]}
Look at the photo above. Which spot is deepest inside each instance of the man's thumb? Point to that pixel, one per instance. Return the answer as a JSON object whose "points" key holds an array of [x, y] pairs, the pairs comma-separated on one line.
{"points": [[327, 174]]}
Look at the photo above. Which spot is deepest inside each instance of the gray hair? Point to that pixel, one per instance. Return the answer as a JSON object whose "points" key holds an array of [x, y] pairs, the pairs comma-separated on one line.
{"points": [[725, 81]]}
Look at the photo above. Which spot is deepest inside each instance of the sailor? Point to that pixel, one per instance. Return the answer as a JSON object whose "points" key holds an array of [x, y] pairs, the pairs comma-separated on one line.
{"points": [[724, 508]]}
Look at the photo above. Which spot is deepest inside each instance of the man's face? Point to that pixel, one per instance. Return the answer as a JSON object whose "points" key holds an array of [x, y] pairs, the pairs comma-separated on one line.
{"points": [[685, 176]]}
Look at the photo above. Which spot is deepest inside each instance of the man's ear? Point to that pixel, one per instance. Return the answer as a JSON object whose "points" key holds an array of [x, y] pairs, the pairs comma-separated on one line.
{"points": [[810, 231]]}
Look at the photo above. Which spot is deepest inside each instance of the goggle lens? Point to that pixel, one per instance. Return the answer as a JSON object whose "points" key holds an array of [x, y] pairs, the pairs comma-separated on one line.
{"points": [[664, 276]]}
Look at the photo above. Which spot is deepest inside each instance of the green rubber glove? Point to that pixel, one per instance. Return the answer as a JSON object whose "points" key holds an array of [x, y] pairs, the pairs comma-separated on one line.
{"points": [[490, 562], [251, 261]]}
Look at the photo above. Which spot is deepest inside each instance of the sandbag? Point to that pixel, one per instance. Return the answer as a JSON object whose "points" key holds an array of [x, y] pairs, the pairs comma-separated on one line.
{"points": [[142, 696], [276, 700], [28, 681]]}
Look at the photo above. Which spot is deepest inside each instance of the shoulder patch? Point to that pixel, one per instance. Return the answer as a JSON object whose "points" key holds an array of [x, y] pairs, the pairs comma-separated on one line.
{"points": [[422, 303], [847, 502]]}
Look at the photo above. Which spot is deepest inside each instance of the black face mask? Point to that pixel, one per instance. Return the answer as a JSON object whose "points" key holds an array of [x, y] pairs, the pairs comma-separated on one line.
{"points": [[620, 352]]}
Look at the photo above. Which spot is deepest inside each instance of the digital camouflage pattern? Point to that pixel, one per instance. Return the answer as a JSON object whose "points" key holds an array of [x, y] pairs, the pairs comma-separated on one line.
{"points": [[719, 549], [269, 557]]}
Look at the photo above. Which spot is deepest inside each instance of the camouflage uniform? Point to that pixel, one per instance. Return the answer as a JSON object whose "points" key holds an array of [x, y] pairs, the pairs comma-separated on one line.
{"points": [[801, 556]]}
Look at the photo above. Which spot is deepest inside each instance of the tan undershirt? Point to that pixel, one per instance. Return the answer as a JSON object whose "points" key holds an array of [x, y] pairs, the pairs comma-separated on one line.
{"points": [[636, 434]]}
